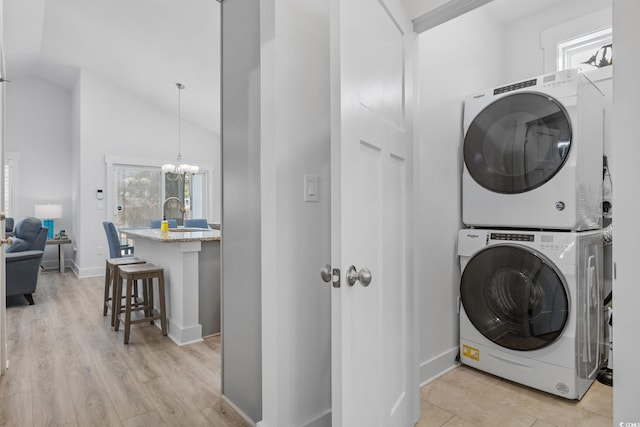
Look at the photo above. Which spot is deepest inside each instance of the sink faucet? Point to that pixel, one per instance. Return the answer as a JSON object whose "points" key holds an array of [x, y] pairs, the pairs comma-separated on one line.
{"points": [[164, 207]]}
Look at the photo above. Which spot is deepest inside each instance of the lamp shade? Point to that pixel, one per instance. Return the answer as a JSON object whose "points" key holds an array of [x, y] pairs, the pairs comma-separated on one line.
{"points": [[48, 211]]}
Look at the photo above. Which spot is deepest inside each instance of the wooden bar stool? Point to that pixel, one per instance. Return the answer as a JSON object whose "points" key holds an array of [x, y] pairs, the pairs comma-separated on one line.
{"points": [[110, 277], [128, 275]]}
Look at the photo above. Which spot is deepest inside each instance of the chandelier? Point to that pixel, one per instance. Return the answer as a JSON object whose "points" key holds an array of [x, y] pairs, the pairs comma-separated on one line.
{"points": [[180, 168]]}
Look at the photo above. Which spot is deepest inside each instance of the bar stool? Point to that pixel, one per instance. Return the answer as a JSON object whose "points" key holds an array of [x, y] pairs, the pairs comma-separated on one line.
{"points": [[127, 276], [110, 276]]}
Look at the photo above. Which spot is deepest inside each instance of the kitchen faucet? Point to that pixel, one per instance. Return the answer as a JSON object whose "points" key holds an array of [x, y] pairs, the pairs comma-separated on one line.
{"points": [[164, 207]]}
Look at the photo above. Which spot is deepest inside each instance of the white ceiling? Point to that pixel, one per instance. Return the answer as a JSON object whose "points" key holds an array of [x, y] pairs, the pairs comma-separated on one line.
{"points": [[146, 46], [142, 46]]}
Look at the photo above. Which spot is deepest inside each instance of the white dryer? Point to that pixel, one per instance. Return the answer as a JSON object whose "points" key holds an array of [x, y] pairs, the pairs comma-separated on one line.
{"points": [[531, 307], [533, 154]]}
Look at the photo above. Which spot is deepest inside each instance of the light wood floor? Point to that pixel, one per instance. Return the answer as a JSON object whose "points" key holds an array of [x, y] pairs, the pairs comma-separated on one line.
{"points": [[465, 397], [68, 367]]}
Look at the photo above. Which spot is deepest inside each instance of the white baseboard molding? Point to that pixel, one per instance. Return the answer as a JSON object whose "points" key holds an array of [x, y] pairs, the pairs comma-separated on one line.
{"points": [[438, 366], [87, 271], [322, 420], [248, 421]]}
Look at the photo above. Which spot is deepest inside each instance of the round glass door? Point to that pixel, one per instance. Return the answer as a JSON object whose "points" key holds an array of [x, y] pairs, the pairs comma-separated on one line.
{"points": [[514, 297], [517, 143]]}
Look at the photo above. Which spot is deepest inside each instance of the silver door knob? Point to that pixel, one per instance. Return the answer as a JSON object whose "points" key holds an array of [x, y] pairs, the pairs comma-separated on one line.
{"points": [[363, 276], [7, 241], [325, 273]]}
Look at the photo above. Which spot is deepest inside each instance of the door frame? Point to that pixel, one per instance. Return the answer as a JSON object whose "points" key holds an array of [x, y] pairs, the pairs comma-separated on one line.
{"points": [[3, 288]]}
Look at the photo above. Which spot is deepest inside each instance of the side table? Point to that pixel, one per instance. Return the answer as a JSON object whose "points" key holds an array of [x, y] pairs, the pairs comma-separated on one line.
{"points": [[60, 242]]}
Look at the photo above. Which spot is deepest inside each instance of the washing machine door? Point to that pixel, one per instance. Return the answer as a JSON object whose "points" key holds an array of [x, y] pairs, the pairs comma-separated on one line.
{"points": [[515, 297], [517, 143]]}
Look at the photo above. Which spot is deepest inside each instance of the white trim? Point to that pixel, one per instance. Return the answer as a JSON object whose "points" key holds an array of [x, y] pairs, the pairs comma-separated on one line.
{"points": [[446, 12], [238, 411], [438, 365]]}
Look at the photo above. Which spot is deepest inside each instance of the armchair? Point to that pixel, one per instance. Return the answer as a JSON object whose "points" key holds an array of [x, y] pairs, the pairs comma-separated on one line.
{"points": [[23, 258], [8, 226]]}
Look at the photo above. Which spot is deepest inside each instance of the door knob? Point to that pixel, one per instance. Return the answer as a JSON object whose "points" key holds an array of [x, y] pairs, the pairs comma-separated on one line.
{"points": [[325, 273], [363, 276], [7, 241]]}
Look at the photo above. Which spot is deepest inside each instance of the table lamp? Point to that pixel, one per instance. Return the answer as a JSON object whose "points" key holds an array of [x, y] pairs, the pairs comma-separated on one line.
{"points": [[47, 213]]}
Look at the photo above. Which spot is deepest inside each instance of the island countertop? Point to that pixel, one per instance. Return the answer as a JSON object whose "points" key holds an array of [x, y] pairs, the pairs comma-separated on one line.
{"points": [[175, 235]]}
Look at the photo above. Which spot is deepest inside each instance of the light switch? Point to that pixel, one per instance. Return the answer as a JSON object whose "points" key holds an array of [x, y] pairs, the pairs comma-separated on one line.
{"points": [[311, 188]]}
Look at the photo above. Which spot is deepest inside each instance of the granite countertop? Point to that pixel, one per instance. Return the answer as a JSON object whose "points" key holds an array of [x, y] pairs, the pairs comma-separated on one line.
{"points": [[175, 235]]}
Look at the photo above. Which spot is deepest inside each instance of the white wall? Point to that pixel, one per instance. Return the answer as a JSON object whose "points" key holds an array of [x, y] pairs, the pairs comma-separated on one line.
{"points": [[459, 57], [115, 123], [295, 137], [38, 127], [626, 152]]}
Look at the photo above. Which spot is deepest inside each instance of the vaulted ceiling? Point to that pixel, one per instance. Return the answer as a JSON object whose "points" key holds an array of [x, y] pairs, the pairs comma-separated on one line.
{"points": [[142, 46], [146, 46]]}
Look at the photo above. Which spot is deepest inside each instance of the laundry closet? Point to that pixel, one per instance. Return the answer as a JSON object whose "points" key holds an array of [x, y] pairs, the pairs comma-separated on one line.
{"points": [[487, 50]]}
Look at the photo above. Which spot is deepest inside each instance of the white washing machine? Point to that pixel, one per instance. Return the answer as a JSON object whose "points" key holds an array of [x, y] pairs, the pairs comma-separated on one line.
{"points": [[533, 154], [531, 307]]}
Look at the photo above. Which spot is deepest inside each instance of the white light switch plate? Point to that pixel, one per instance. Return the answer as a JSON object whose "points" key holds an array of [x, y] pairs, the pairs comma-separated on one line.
{"points": [[311, 189]]}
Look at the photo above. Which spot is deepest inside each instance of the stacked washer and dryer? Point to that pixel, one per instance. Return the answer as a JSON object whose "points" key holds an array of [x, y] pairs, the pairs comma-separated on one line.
{"points": [[531, 258]]}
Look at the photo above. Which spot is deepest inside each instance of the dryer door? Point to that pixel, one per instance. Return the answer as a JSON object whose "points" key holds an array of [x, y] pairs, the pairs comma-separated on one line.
{"points": [[517, 143], [515, 297]]}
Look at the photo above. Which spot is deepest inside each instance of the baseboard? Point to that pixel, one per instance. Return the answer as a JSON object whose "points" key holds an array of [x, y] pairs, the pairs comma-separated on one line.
{"points": [[438, 365], [322, 420], [248, 421], [87, 272]]}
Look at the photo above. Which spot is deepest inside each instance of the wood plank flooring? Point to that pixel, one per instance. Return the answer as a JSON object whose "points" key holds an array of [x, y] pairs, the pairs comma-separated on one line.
{"points": [[465, 397], [68, 367]]}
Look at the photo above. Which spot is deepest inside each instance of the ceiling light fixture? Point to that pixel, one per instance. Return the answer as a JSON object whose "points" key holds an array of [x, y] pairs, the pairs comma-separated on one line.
{"points": [[181, 168]]}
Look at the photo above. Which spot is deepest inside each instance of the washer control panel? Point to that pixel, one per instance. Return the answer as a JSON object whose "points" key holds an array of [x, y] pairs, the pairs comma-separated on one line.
{"points": [[517, 237]]}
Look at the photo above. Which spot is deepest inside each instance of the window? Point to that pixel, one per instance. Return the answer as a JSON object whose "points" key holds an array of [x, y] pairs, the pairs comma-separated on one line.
{"points": [[573, 35], [140, 193], [10, 184], [587, 52]]}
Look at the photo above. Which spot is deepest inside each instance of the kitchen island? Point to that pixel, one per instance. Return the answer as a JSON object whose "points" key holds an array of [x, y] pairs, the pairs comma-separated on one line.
{"points": [[191, 262]]}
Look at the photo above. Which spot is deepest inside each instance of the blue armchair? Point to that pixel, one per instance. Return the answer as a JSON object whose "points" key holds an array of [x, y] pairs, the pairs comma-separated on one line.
{"points": [[8, 226], [23, 257]]}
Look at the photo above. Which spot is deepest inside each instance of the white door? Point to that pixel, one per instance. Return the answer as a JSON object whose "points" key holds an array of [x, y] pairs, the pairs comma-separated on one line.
{"points": [[374, 382], [3, 289]]}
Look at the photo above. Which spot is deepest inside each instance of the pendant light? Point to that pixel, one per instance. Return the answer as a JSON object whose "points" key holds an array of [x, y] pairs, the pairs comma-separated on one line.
{"points": [[181, 168]]}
